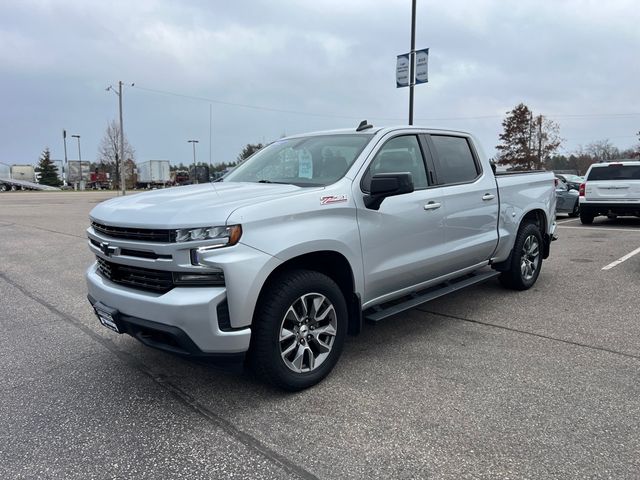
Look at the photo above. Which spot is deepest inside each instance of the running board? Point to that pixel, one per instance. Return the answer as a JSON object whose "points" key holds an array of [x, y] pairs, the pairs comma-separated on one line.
{"points": [[380, 312]]}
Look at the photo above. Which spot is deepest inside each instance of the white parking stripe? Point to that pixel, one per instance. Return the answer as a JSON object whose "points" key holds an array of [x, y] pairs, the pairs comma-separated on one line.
{"points": [[635, 230], [621, 259], [560, 222]]}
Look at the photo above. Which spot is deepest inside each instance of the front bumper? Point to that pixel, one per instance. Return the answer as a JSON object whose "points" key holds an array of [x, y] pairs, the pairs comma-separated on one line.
{"points": [[186, 318]]}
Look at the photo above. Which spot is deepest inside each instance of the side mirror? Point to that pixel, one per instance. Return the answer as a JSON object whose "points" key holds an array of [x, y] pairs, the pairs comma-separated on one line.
{"points": [[385, 185]]}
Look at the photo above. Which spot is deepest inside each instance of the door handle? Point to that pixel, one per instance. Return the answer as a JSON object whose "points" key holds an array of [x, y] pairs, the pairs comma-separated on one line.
{"points": [[487, 196], [432, 206]]}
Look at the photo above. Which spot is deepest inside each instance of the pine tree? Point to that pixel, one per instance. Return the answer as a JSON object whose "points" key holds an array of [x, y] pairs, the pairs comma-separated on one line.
{"points": [[527, 141], [515, 147], [48, 170]]}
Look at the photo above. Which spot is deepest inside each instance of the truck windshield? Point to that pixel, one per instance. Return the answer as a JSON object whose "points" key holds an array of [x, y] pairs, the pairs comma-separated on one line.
{"points": [[317, 160]]}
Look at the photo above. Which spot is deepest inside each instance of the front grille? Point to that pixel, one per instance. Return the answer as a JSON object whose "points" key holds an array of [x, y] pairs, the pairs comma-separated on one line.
{"points": [[159, 281], [130, 233], [135, 253]]}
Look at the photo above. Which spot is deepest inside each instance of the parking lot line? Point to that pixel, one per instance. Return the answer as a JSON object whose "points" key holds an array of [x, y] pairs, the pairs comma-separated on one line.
{"points": [[560, 222], [635, 230], [621, 259]]}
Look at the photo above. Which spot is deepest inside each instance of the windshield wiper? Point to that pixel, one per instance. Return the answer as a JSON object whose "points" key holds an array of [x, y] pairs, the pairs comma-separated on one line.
{"points": [[270, 181]]}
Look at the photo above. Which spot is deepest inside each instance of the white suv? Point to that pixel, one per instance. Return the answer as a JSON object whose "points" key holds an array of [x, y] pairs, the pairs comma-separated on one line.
{"points": [[610, 188]]}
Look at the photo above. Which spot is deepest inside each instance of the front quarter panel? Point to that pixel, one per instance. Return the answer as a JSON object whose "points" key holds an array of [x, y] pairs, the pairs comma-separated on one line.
{"points": [[318, 220]]}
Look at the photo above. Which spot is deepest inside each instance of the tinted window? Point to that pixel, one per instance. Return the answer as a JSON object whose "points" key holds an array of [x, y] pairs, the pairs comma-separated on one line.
{"points": [[400, 154], [455, 160], [615, 172]]}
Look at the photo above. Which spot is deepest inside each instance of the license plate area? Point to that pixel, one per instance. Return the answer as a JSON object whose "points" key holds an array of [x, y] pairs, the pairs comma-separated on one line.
{"points": [[108, 317]]}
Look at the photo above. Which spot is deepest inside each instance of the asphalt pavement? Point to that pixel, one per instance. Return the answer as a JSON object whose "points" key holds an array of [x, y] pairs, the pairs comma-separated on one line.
{"points": [[482, 384]]}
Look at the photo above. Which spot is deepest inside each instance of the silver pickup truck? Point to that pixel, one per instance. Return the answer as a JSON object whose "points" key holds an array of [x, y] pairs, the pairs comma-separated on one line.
{"points": [[278, 261]]}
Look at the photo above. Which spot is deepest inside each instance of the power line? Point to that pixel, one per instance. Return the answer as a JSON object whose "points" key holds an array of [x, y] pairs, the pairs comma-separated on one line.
{"points": [[347, 117]]}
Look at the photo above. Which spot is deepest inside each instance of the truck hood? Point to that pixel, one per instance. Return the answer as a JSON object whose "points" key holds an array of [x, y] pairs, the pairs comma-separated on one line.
{"points": [[189, 206]]}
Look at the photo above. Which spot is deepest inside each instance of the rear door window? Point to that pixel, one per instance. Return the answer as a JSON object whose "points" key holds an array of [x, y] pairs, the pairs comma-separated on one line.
{"points": [[454, 159], [615, 172]]}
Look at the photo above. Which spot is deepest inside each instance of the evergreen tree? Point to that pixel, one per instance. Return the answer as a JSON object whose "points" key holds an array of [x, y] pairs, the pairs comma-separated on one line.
{"points": [[248, 150], [515, 147], [48, 170]]}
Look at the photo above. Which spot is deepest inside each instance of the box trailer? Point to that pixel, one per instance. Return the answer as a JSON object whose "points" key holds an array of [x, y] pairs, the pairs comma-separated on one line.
{"points": [[153, 173], [26, 173]]}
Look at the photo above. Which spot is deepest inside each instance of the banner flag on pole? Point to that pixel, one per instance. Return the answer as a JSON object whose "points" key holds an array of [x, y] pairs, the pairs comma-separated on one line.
{"points": [[422, 64], [402, 70]]}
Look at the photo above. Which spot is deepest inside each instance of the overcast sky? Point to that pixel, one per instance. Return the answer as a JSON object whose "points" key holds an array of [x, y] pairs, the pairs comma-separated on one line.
{"points": [[279, 67]]}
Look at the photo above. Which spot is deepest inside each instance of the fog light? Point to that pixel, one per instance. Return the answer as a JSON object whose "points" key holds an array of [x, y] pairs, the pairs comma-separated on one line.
{"points": [[194, 279]]}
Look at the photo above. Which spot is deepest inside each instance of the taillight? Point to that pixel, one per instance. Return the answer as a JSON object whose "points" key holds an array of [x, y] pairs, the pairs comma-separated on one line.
{"points": [[583, 186]]}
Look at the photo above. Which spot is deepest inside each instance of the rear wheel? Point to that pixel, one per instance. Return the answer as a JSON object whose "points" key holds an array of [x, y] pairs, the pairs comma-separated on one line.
{"points": [[526, 259], [298, 330], [576, 210], [586, 217]]}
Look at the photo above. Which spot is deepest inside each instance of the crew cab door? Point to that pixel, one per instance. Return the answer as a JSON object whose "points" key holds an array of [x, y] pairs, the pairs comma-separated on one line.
{"points": [[402, 242], [469, 195]]}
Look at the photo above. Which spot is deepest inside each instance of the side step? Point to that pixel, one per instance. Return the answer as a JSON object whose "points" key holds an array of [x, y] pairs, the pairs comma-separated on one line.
{"points": [[380, 312]]}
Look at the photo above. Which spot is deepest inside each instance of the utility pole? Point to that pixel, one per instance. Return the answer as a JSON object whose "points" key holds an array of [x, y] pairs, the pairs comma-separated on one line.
{"points": [[529, 145], [539, 140], [64, 167], [210, 137], [412, 60], [122, 175], [195, 176]]}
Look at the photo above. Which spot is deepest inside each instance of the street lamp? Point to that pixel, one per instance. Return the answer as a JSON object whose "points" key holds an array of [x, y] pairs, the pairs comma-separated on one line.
{"points": [[79, 156], [193, 142]]}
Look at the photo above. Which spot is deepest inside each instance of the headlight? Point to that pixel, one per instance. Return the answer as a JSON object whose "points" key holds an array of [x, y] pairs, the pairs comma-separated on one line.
{"points": [[218, 236]]}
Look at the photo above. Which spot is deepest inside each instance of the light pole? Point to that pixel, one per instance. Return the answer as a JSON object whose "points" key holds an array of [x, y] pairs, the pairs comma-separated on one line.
{"points": [[65, 166], [79, 156], [193, 142]]}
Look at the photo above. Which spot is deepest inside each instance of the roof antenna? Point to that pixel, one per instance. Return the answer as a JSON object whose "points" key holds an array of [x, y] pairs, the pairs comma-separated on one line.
{"points": [[363, 126]]}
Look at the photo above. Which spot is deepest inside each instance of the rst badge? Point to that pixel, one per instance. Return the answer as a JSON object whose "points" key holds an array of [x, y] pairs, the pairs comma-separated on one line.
{"points": [[329, 199]]}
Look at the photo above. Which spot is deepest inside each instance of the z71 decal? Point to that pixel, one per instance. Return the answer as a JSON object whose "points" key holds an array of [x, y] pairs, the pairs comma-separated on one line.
{"points": [[329, 199]]}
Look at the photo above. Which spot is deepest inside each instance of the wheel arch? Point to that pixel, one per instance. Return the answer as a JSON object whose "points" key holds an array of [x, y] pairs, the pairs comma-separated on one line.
{"points": [[334, 265], [538, 217]]}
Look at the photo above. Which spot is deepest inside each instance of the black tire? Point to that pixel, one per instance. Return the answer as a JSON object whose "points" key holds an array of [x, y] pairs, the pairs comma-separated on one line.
{"points": [[281, 295], [525, 264], [576, 210], [586, 217]]}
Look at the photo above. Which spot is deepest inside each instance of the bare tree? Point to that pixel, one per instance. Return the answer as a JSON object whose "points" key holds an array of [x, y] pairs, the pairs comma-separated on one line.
{"points": [[603, 150], [109, 150], [545, 139]]}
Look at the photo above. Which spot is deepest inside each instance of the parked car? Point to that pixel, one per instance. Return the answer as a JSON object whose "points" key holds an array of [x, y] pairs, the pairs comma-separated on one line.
{"points": [[567, 199], [611, 189], [572, 181], [312, 235]]}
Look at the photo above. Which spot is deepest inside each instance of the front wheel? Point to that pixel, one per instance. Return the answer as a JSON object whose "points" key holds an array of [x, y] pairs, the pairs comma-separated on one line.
{"points": [[526, 259], [298, 330]]}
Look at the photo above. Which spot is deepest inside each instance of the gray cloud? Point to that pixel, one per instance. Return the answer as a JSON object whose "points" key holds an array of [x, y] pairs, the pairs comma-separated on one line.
{"points": [[334, 60]]}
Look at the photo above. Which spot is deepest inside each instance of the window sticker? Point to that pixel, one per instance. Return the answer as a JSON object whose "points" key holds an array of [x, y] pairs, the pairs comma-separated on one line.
{"points": [[305, 164]]}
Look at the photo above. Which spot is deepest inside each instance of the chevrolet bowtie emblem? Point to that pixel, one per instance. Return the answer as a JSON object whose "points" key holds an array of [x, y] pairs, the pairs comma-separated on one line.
{"points": [[107, 249]]}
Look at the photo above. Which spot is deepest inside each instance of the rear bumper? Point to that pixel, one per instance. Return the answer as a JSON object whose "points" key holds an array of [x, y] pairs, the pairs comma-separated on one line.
{"points": [[617, 208], [183, 320]]}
